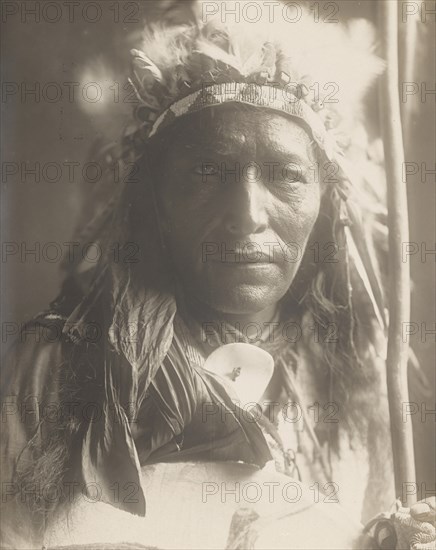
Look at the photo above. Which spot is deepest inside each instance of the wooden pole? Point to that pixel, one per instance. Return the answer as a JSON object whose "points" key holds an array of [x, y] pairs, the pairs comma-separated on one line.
{"points": [[399, 272]]}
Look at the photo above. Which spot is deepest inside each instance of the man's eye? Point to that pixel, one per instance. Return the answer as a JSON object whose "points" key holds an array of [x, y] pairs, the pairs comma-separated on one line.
{"points": [[206, 170], [292, 173], [293, 177]]}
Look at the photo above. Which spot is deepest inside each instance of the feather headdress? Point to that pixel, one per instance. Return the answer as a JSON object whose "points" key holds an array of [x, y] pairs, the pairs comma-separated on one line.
{"points": [[328, 66]]}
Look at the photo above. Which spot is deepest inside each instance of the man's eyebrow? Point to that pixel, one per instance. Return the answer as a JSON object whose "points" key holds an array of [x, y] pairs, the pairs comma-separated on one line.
{"points": [[289, 156], [278, 157], [298, 154]]}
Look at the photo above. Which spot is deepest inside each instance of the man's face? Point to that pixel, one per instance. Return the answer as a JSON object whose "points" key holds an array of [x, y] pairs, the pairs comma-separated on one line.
{"points": [[239, 199]]}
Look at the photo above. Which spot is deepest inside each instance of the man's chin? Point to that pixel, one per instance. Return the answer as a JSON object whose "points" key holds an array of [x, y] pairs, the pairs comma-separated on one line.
{"points": [[242, 299]]}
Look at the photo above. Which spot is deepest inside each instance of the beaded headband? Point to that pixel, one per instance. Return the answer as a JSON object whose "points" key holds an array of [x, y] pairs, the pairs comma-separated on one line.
{"points": [[277, 99]]}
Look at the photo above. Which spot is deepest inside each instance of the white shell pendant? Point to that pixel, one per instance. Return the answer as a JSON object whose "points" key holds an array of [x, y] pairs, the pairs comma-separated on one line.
{"points": [[245, 368]]}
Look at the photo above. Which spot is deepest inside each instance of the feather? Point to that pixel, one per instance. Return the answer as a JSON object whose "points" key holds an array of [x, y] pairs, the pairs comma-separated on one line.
{"points": [[359, 255], [214, 52], [143, 64]]}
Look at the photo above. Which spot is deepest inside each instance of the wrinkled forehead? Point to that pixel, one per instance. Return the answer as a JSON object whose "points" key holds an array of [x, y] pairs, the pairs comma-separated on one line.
{"points": [[236, 130]]}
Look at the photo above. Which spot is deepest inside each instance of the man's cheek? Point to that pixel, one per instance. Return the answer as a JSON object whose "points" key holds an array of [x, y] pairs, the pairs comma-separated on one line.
{"points": [[305, 216], [310, 198], [295, 226]]}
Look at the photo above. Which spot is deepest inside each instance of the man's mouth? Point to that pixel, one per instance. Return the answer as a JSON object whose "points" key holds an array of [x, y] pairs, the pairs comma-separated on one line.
{"points": [[243, 258]]}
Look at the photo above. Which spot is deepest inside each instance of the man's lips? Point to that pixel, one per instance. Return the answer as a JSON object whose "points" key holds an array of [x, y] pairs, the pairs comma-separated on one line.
{"points": [[259, 262], [236, 258]]}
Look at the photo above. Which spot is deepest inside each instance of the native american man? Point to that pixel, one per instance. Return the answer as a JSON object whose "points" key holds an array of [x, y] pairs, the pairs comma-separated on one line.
{"points": [[254, 217]]}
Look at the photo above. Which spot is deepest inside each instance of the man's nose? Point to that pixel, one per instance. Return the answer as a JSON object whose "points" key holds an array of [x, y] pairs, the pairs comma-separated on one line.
{"points": [[247, 207]]}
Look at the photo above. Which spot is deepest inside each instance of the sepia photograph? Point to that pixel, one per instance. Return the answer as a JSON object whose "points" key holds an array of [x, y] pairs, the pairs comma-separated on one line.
{"points": [[218, 260]]}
